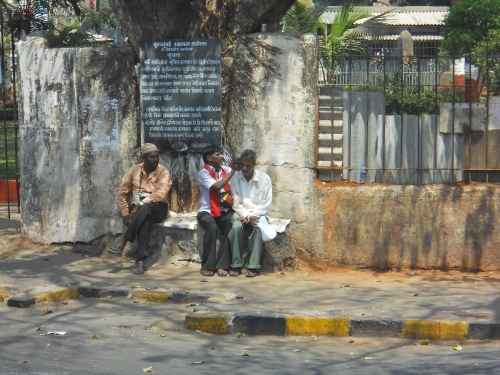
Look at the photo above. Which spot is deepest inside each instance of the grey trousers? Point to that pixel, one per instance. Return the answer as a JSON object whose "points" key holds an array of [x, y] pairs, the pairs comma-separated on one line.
{"points": [[254, 250]]}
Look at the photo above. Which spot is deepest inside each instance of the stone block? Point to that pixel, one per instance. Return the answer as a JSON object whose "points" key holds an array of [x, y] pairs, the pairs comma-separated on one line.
{"points": [[21, 300]]}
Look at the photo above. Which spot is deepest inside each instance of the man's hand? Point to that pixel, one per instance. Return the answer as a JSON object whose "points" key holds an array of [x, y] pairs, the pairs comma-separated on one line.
{"points": [[242, 219], [235, 164], [254, 220], [126, 220]]}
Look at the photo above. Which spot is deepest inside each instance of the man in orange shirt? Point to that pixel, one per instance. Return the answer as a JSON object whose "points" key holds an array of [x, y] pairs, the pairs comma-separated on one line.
{"points": [[149, 183]]}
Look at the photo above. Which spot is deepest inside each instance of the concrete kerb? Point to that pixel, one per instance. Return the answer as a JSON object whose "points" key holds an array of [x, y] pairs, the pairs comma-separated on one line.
{"points": [[267, 323], [157, 295], [288, 325]]}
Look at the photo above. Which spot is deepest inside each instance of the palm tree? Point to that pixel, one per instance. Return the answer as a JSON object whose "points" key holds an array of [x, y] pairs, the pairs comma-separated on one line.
{"points": [[336, 39], [304, 17]]}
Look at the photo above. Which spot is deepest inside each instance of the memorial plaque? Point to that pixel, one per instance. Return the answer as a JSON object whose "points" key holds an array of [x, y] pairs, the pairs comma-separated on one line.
{"points": [[181, 93]]}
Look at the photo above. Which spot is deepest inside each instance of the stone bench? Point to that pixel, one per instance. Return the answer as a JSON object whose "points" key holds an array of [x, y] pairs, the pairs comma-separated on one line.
{"points": [[179, 238]]}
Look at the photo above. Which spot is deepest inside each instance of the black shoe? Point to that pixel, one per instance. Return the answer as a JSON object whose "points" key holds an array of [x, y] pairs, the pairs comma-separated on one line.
{"points": [[115, 250], [140, 268]]}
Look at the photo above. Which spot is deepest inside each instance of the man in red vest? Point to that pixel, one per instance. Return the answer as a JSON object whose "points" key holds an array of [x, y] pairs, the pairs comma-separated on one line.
{"points": [[214, 211]]}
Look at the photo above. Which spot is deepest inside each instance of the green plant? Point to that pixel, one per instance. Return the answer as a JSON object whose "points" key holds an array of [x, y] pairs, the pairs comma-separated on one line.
{"points": [[404, 99]]}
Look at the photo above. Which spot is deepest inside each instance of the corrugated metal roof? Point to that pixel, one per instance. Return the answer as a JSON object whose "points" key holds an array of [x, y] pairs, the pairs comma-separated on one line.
{"points": [[399, 16], [418, 38]]}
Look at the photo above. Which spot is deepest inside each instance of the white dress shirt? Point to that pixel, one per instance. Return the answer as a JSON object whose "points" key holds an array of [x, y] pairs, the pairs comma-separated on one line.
{"points": [[252, 198]]}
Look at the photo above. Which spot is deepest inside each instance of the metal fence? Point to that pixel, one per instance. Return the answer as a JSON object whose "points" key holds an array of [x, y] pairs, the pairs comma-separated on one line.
{"points": [[9, 133], [414, 119]]}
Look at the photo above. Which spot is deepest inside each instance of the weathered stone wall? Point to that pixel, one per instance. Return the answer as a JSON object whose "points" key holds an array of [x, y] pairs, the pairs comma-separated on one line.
{"points": [[432, 226], [279, 125], [77, 134]]}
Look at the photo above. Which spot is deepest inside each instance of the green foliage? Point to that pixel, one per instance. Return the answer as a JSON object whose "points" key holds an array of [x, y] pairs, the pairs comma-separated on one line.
{"points": [[304, 17], [96, 20], [404, 99], [71, 37], [469, 23]]}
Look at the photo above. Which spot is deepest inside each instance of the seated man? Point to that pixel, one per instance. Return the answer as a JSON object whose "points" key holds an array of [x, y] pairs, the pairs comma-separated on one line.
{"points": [[252, 195], [213, 181], [149, 183]]}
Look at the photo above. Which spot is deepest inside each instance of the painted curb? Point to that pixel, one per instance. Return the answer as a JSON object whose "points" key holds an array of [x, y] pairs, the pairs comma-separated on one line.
{"points": [[93, 291], [482, 331], [156, 297], [419, 329], [307, 326], [376, 328], [56, 295], [207, 322], [4, 294], [259, 324]]}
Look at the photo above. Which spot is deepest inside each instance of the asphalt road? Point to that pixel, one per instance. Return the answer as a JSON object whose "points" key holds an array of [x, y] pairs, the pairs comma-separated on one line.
{"points": [[126, 336]]}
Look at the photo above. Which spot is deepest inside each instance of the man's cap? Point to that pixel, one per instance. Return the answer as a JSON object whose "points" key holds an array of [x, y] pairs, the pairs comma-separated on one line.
{"points": [[148, 147]]}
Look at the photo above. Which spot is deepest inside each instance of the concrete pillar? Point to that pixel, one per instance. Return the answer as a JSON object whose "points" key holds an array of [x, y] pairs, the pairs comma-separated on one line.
{"points": [[406, 43], [78, 131]]}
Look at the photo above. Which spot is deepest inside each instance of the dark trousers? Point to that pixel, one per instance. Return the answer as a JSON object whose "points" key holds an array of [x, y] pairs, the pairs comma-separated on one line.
{"points": [[141, 224], [211, 259]]}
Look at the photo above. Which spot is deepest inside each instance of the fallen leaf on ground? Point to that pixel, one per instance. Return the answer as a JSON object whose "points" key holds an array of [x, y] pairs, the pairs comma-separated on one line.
{"points": [[162, 335], [368, 358], [203, 281], [297, 350], [198, 362], [306, 274], [55, 359], [281, 273], [425, 342], [191, 305], [457, 347], [38, 329], [94, 337], [214, 348], [239, 297], [47, 311], [352, 353], [241, 334], [414, 295], [147, 369], [130, 296], [64, 303], [243, 354], [350, 341], [378, 281]]}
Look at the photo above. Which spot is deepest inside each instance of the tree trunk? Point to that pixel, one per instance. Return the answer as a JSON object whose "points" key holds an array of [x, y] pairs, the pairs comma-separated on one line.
{"points": [[190, 19]]}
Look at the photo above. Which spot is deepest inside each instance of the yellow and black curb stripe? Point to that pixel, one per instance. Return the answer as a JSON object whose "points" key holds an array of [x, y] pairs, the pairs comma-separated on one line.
{"points": [[4, 294], [59, 294], [282, 325], [157, 297]]}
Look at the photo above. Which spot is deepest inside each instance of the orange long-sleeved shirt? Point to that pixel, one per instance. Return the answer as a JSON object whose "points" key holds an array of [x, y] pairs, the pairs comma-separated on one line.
{"points": [[158, 183]]}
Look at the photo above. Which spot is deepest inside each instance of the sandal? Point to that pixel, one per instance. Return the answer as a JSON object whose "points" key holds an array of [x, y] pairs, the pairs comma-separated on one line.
{"points": [[207, 272], [140, 269], [115, 250], [252, 273], [221, 273], [235, 272]]}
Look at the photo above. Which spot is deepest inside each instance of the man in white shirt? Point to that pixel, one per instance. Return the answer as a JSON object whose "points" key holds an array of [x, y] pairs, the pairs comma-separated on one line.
{"points": [[213, 212], [252, 195]]}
